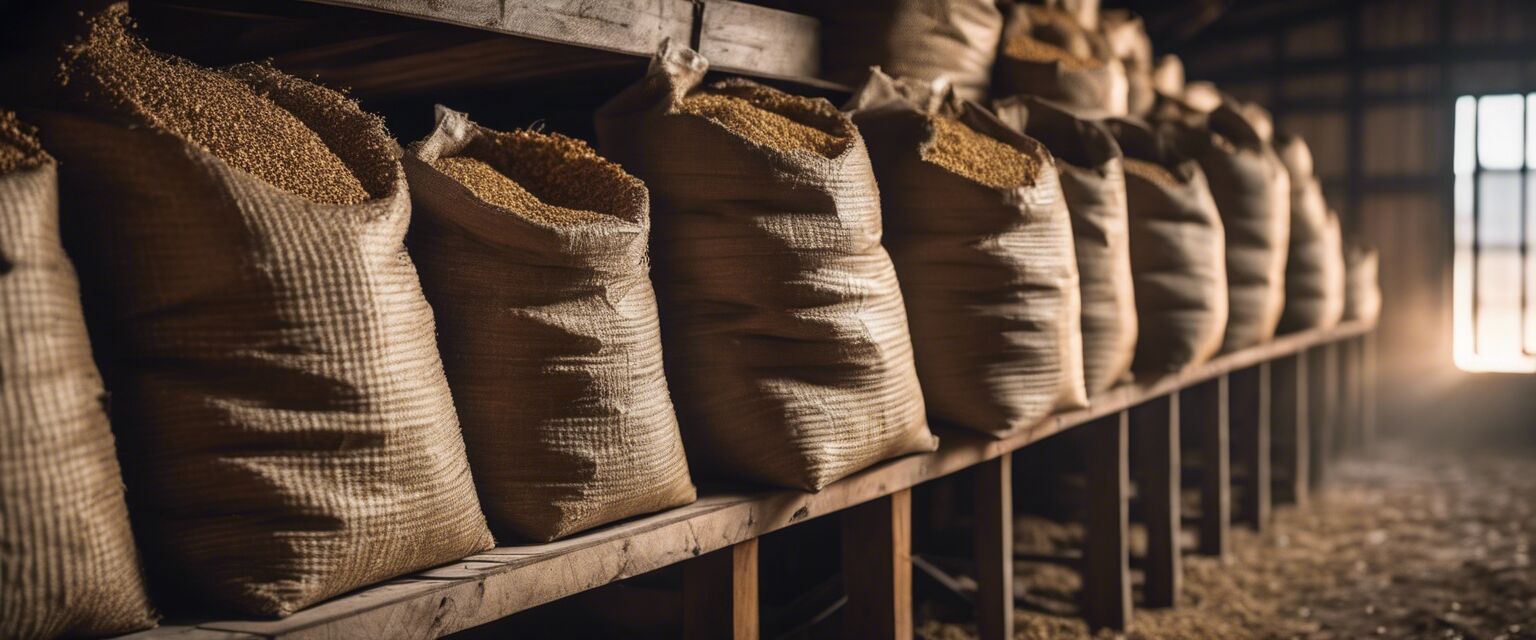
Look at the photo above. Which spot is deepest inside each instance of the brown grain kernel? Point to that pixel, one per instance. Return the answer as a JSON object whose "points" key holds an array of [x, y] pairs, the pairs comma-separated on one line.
{"points": [[549, 178], [1152, 171], [963, 151], [496, 188], [771, 118], [111, 71], [19, 148], [1023, 47]]}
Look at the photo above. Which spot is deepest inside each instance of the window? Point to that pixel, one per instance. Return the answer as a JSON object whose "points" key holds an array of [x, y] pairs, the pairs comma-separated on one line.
{"points": [[1494, 279]]}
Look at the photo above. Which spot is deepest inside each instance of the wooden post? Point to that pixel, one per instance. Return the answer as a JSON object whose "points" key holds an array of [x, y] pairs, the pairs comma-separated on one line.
{"points": [[1106, 550], [720, 594], [994, 548], [877, 568], [1350, 384], [1368, 371], [1248, 410], [1322, 407], [1289, 426], [1203, 408], [1156, 425]]}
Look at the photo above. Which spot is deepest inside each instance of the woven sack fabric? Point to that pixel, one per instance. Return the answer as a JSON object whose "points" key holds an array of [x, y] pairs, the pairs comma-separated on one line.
{"points": [[67, 561], [1127, 38], [287, 430], [1178, 257], [1090, 77], [785, 337], [1093, 181], [988, 274], [549, 335], [922, 39], [1253, 195], [1314, 271], [1362, 296]]}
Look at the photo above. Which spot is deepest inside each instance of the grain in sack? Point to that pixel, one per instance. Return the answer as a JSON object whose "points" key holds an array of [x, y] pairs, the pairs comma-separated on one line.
{"points": [[978, 230], [782, 322], [1093, 181], [286, 428], [1314, 270], [1253, 194], [923, 39], [1178, 257], [1046, 53], [532, 252], [68, 566]]}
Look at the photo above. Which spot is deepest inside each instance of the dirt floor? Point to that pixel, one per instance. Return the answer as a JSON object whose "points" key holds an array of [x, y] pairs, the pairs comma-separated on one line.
{"points": [[1417, 543]]}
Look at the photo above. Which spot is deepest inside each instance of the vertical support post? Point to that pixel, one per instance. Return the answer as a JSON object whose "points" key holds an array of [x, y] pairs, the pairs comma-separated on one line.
{"points": [[1322, 407], [877, 568], [1203, 408], [1106, 548], [1350, 385], [1368, 396], [994, 548], [1156, 424], [1289, 421], [720, 594], [1248, 410]]}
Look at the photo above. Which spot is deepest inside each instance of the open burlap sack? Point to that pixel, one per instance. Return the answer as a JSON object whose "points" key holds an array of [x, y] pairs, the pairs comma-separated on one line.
{"points": [[1362, 294], [1253, 194], [978, 231], [1126, 35], [67, 562], [547, 325], [1093, 181], [286, 428], [1314, 270], [1178, 255], [785, 338], [922, 39], [1046, 53]]}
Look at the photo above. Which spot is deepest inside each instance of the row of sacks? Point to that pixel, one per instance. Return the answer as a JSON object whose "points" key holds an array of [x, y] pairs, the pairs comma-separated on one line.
{"points": [[316, 387]]}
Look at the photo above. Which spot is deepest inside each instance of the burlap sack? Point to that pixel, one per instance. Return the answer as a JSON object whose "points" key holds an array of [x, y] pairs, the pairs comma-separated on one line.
{"points": [[1314, 271], [1178, 257], [1093, 181], [1362, 294], [922, 39], [67, 562], [287, 432], [1253, 194], [987, 272], [785, 338], [1046, 53], [1127, 37], [548, 332]]}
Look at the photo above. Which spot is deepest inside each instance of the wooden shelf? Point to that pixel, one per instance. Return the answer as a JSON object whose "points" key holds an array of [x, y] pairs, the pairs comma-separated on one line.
{"points": [[507, 580]]}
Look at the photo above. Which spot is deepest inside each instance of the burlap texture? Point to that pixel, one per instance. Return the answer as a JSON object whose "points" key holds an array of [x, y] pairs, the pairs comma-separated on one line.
{"points": [[785, 337], [921, 39], [1314, 271], [1099, 85], [988, 274], [1093, 182], [286, 428], [1126, 34], [1178, 257], [1362, 291], [67, 561], [550, 338], [1253, 194]]}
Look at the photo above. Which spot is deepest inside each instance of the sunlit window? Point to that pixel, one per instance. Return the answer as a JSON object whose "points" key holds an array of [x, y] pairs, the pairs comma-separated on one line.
{"points": [[1495, 279]]}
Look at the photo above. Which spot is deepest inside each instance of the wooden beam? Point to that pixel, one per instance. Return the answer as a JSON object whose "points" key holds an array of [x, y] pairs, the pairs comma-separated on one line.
{"points": [[1322, 409], [720, 594], [1156, 425], [994, 548], [877, 568], [1203, 409], [1249, 411], [1106, 550], [1290, 428]]}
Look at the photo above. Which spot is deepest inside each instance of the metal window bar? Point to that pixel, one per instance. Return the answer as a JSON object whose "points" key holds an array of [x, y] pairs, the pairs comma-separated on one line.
{"points": [[1525, 236]]}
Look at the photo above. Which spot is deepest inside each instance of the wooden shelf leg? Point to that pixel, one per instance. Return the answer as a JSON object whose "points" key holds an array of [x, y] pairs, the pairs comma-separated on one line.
{"points": [[1368, 379], [1322, 408], [720, 594], [1349, 394], [994, 548], [1156, 425], [877, 568], [1203, 409], [1106, 551], [1248, 409], [1290, 428]]}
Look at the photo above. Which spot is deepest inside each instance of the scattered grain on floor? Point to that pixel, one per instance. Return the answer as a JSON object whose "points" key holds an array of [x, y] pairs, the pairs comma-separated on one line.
{"points": [[966, 152]]}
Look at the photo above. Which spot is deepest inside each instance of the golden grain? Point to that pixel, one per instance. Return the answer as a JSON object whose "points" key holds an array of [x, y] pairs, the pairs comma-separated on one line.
{"points": [[964, 151]]}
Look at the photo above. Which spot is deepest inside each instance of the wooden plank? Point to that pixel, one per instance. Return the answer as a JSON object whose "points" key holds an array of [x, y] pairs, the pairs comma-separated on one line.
{"points": [[720, 594], [1203, 408], [1248, 409], [1290, 425], [742, 38], [1323, 402], [877, 568], [994, 548], [1155, 424], [1106, 549]]}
